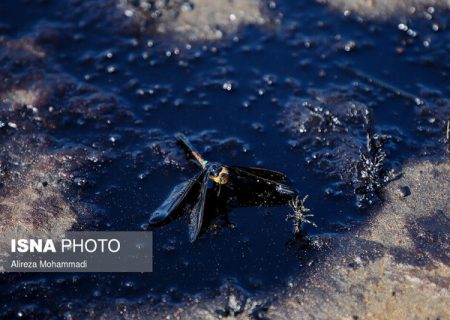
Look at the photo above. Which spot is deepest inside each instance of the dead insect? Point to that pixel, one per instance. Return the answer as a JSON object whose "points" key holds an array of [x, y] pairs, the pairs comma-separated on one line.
{"points": [[254, 182]]}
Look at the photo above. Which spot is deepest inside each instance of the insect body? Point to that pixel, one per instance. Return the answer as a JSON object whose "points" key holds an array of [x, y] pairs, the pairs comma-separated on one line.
{"points": [[214, 175]]}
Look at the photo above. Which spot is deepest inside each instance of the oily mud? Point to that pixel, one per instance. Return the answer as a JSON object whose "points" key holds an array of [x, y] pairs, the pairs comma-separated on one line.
{"points": [[367, 273], [92, 95]]}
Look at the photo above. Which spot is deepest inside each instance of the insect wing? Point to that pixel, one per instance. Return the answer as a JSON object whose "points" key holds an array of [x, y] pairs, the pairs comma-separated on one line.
{"points": [[196, 216], [174, 200], [279, 187], [263, 173]]}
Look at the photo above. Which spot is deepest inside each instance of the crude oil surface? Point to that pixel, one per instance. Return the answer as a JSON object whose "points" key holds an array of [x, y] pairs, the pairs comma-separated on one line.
{"points": [[298, 87]]}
